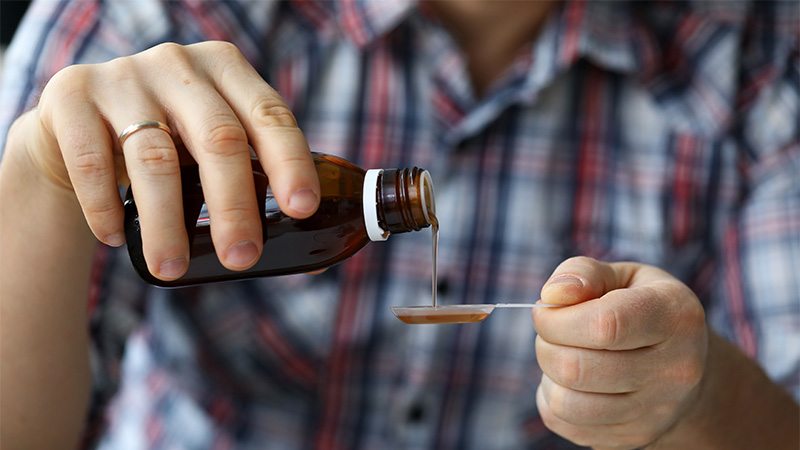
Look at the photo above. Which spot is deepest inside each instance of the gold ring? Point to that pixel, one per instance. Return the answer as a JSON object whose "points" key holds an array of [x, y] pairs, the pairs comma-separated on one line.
{"points": [[133, 128]]}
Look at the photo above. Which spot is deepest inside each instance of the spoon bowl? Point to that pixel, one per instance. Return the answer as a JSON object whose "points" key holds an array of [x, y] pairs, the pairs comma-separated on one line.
{"points": [[454, 313]]}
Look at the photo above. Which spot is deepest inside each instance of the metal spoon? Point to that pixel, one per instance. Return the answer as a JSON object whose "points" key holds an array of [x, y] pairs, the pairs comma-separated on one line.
{"points": [[455, 313]]}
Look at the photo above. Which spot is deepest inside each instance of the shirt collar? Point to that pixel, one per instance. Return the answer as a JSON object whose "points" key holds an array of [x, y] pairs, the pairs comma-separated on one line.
{"points": [[609, 34], [615, 38], [361, 21], [624, 37]]}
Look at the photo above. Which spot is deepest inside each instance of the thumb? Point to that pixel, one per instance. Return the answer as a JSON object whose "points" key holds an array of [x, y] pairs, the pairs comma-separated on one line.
{"points": [[581, 278]]}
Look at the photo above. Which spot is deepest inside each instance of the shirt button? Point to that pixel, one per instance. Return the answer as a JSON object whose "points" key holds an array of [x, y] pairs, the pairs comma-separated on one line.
{"points": [[442, 286], [416, 413]]}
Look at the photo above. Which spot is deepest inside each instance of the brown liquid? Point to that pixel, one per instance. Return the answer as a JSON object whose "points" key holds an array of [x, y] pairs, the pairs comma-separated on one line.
{"points": [[452, 317], [438, 315], [435, 255]]}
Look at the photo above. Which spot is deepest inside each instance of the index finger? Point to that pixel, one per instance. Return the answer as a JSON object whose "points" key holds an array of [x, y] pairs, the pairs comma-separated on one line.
{"points": [[622, 319], [271, 129]]}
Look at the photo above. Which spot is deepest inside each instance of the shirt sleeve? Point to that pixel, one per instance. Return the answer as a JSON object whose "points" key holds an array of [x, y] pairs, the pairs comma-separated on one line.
{"points": [[758, 287]]}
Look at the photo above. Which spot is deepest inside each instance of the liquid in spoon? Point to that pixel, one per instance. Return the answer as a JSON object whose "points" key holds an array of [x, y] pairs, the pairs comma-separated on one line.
{"points": [[456, 313], [443, 314]]}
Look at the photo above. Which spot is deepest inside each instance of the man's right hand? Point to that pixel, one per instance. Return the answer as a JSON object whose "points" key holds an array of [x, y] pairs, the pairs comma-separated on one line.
{"points": [[215, 104]]}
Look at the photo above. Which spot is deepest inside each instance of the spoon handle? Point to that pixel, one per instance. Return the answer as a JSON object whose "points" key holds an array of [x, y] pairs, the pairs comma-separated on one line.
{"points": [[526, 305]]}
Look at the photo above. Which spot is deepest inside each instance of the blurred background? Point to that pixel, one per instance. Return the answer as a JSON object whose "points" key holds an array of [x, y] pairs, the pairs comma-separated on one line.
{"points": [[11, 12]]}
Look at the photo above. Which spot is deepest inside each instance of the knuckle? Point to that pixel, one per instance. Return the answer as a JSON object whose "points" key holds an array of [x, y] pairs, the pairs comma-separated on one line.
{"points": [[607, 331], [562, 428], [581, 438], [16, 133], [76, 74], [578, 259], [173, 240], [223, 138], [268, 113], [118, 69], [292, 166], [167, 51], [643, 438], [168, 56], [549, 420], [96, 210], [637, 408], [235, 215], [688, 372], [583, 263], [223, 56], [67, 83], [91, 166], [158, 160], [232, 223], [570, 369], [692, 314], [223, 49], [558, 403]]}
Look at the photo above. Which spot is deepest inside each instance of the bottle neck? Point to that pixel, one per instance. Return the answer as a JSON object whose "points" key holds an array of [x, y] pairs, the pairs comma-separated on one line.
{"points": [[403, 201]]}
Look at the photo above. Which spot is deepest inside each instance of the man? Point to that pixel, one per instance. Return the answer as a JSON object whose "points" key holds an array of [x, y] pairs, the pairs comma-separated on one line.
{"points": [[663, 134]]}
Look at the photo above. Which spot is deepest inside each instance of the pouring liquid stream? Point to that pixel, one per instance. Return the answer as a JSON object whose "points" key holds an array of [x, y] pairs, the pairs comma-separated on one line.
{"points": [[435, 254], [436, 314]]}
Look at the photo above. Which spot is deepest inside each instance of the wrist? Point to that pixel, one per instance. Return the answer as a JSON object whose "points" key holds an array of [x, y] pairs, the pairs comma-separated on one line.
{"points": [[737, 407], [35, 200], [35, 154]]}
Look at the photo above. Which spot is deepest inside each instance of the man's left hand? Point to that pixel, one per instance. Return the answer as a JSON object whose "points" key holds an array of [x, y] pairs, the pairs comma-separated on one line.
{"points": [[624, 360]]}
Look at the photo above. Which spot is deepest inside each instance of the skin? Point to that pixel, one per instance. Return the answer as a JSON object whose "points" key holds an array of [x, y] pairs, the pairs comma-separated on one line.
{"points": [[490, 33], [631, 364], [657, 373], [58, 197]]}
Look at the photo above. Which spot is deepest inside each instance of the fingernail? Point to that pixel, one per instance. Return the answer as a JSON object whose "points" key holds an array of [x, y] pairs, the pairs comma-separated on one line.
{"points": [[242, 254], [565, 280], [303, 201], [115, 240], [173, 268]]}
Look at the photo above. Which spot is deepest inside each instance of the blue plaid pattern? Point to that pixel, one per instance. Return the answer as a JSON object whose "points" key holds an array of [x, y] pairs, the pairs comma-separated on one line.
{"points": [[664, 133]]}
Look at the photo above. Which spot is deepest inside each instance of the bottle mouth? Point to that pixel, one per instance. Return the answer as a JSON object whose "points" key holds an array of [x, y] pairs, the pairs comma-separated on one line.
{"points": [[398, 201], [409, 199], [427, 198]]}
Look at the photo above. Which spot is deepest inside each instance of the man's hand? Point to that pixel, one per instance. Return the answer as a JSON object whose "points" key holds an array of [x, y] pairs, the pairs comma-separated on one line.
{"points": [[216, 106], [624, 362], [59, 190]]}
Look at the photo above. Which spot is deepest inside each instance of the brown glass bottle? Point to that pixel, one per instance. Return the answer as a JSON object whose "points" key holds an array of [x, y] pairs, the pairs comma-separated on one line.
{"points": [[356, 207]]}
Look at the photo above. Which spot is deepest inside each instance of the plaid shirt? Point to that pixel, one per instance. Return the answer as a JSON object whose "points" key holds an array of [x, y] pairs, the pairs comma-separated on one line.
{"points": [[661, 133]]}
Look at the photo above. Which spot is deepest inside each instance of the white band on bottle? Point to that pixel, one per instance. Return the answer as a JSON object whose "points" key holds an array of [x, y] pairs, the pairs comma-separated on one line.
{"points": [[370, 204]]}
